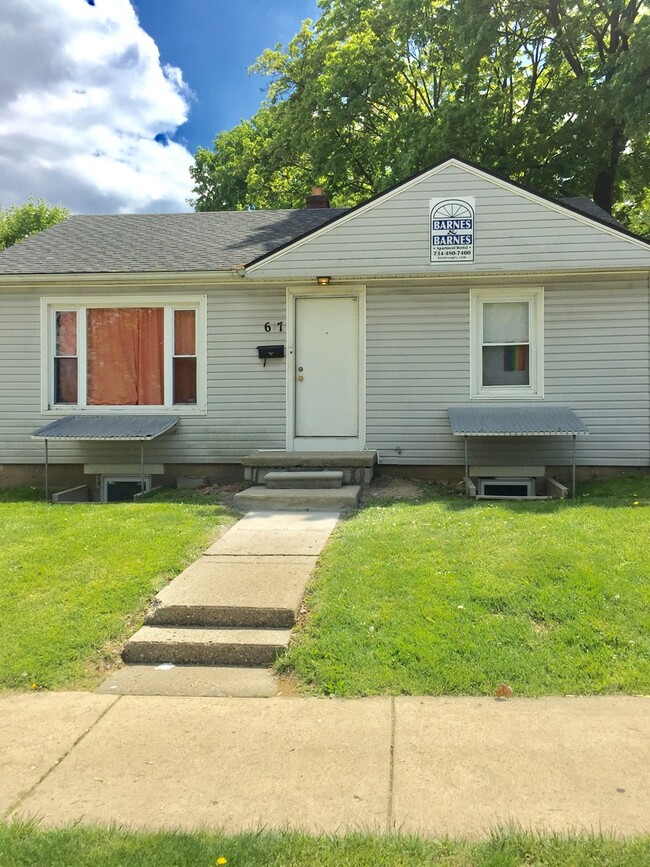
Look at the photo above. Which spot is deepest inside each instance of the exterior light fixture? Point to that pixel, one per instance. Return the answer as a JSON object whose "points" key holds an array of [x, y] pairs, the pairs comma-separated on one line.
{"points": [[323, 281]]}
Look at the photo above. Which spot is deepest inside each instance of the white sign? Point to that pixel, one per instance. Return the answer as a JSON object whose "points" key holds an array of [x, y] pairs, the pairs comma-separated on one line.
{"points": [[451, 229]]}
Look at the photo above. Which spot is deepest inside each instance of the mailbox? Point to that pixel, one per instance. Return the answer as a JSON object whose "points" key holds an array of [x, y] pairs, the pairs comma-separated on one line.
{"points": [[276, 351]]}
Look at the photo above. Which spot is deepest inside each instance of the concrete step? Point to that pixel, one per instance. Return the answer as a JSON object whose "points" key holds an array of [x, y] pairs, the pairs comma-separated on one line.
{"points": [[357, 467], [197, 680], [239, 591], [203, 646], [315, 499], [304, 479]]}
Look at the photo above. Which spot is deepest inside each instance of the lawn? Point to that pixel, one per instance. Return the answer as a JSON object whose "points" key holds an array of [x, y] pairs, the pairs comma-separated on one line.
{"points": [[446, 596], [26, 846], [76, 579]]}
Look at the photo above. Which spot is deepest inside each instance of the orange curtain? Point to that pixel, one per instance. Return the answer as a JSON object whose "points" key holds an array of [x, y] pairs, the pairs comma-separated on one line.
{"points": [[185, 356], [66, 362], [125, 356], [66, 333], [184, 332]]}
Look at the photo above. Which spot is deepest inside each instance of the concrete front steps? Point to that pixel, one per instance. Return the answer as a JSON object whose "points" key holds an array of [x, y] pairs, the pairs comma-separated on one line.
{"points": [[305, 480]]}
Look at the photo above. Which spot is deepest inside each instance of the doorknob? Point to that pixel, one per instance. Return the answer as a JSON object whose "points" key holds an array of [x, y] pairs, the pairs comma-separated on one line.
{"points": [[300, 378]]}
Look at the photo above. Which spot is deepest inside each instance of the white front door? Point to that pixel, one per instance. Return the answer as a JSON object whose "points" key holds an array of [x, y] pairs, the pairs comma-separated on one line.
{"points": [[326, 373]]}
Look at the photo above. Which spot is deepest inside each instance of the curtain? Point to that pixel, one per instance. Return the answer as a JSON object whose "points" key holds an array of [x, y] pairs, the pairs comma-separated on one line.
{"points": [[184, 332], [125, 356], [185, 356], [65, 358]]}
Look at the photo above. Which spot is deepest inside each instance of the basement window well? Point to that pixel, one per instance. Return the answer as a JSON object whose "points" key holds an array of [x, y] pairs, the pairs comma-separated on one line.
{"points": [[122, 489], [506, 487]]}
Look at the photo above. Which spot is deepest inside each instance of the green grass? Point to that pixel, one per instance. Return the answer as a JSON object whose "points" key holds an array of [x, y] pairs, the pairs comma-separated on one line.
{"points": [[446, 596], [26, 846], [75, 578]]}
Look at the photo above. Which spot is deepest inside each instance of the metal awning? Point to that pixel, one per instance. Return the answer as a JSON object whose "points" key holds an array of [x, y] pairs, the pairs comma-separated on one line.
{"points": [[543, 420], [515, 421], [106, 428]]}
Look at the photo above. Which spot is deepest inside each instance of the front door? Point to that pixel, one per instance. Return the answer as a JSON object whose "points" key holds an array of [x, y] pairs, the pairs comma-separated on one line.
{"points": [[326, 373]]}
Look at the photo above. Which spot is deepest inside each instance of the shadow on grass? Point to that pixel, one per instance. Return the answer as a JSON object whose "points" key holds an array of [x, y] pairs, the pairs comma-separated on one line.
{"points": [[163, 495], [22, 495]]}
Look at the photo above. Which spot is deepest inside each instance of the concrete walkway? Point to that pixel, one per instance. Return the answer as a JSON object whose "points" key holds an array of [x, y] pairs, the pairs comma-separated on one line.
{"points": [[455, 766], [215, 629]]}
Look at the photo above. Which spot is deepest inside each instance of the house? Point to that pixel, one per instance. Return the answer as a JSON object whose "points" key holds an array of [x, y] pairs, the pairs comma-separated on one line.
{"points": [[455, 325]]}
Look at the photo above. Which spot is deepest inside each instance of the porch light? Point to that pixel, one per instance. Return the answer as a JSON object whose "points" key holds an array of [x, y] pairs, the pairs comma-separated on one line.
{"points": [[323, 281]]}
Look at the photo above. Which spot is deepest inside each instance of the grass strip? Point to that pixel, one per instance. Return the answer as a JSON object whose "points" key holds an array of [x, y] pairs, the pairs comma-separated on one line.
{"points": [[24, 845]]}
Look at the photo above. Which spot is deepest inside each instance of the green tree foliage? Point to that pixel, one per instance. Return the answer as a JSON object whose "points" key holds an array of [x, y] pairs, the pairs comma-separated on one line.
{"points": [[551, 93], [19, 221]]}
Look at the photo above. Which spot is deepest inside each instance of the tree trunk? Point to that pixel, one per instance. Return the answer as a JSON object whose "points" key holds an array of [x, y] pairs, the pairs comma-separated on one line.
{"points": [[606, 177]]}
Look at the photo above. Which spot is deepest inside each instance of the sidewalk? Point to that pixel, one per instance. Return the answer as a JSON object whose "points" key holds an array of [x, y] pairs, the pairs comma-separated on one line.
{"points": [[438, 766]]}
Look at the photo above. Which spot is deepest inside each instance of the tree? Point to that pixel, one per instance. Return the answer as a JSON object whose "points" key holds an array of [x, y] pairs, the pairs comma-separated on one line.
{"points": [[553, 94], [19, 221]]}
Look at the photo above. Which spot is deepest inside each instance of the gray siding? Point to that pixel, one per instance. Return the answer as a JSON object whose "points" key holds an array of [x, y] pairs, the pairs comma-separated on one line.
{"points": [[246, 402], [513, 233], [597, 362]]}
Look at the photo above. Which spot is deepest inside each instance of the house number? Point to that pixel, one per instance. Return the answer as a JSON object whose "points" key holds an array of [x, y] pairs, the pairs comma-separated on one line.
{"points": [[273, 326]]}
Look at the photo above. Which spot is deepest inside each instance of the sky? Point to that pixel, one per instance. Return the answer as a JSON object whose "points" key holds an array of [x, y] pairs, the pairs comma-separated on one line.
{"points": [[104, 102]]}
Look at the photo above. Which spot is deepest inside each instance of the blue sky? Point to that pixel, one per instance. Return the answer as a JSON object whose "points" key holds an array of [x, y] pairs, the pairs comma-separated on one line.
{"points": [[214, 42], [104, 102]]}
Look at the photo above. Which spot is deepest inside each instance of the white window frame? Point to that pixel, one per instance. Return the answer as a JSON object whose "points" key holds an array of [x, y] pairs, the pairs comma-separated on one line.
{"points": [[535, 298], [80, 305]]}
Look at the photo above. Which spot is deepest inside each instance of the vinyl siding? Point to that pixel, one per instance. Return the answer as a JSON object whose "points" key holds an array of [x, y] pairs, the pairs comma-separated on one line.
{"points": [[597, 362], [246, 401], [513, 233]]}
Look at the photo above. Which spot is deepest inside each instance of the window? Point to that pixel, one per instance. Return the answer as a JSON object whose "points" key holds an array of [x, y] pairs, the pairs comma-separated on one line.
{"points": [[506, 346], [123, 489], [125, 355]]}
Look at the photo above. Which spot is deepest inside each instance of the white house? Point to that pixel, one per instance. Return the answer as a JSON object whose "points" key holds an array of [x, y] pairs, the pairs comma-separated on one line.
{"points": [[455, 323]]}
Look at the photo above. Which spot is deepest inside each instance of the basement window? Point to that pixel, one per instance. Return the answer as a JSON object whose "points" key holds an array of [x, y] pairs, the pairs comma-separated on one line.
{"points": [[122, 489], [495, 487]]}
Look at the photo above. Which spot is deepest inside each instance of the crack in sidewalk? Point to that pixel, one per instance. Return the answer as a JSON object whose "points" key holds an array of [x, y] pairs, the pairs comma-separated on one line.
{"points": [[7, 813]]}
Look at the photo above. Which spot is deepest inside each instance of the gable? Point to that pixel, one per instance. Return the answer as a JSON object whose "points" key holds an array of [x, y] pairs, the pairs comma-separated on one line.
{"points": [[514, 230]]}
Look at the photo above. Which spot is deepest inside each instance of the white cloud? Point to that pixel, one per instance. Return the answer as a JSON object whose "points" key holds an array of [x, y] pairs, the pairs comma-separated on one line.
{"points": [[83, 96]]}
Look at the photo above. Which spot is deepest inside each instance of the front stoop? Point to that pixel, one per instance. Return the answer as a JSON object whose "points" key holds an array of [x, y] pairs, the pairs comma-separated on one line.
{"points": [[316, 499], [357, 467], [310, 481], [304, 479]]}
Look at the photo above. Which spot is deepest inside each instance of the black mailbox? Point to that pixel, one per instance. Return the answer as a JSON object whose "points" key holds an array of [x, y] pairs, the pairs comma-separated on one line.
{"points": [[265, 352]]}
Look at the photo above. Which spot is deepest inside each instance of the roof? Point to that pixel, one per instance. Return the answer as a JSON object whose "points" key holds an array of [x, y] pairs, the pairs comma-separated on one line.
{"points": [[577, 205], [124, 243], [591, 209], [512, 421], [107, 427], [205, 241]]}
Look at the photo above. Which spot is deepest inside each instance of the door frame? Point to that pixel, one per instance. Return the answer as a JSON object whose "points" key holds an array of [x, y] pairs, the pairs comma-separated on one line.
{"points": [[325, 443]]}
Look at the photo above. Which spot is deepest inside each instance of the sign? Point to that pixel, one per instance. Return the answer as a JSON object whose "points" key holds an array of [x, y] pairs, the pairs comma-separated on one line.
{"points": [[451, 230]]}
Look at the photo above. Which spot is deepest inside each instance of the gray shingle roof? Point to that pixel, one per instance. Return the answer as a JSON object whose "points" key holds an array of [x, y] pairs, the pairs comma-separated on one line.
{"points": [[114, 243], [591, 209]]}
